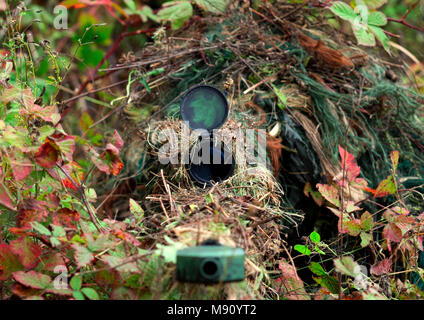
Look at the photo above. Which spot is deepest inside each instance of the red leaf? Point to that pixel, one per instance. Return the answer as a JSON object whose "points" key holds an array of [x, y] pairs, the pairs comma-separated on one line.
{"points": [[21, 166], [24, 292], [349, 165], [51, 261], [9, 262], [66, 217], [5, 199], [291, 285], [330, 193], [32, 279], [27, 251], [30, 210], [353, 226], [392, 233], [66, 145], [117, 140], [47, 155], [381, 267], [394, 156], [386, 187]]}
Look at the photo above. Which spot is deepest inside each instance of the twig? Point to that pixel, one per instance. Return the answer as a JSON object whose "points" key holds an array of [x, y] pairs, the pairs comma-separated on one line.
{"points": [[83, 197], [403, 19]]}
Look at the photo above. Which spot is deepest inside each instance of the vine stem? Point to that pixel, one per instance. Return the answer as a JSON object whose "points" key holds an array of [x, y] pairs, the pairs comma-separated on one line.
{"points": [[83, 197], [403, 19]]}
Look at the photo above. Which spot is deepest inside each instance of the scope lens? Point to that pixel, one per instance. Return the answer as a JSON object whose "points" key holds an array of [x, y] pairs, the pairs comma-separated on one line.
{"points": [[217, 166], [210, 268], [204, 107]]}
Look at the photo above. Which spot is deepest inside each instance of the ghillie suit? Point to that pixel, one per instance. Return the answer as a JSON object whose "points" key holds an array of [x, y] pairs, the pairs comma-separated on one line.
{"points": [[308, 90]]}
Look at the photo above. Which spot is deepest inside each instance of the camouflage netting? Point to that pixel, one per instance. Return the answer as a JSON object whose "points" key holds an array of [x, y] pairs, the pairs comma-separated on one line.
{"points": [[310, 90]]}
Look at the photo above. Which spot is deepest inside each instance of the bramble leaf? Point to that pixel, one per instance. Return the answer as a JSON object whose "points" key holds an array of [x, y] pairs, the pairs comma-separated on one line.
{"points": [[292, 286], [136, 210], [176, 12], [377, 18], [32, 279], [363, 35], [27, 251], [47, 155], [9, 262], [83, 256], [330, 193], [386, 187], [374, 4], [394, 156], [367, 221], [366, 238], [347, 266], [381, 267], [214, 6], [343, 11], [381, 36]]}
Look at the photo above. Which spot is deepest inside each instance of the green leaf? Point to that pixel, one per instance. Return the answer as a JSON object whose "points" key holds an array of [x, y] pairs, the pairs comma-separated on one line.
{"points": [[366, 238], [330, 193], [27, 251], [40, 228], [377, 19], [343, 10], [394, 156], [367, 221], [32, 279], [9, 262], [58, 231], [146, 12], [363, 35], [282, 99], [82, 255], [214, 6], [76, 283], [317, 249], [315, 237], [90, 293], [136, 210], [363, 11], [347, 266], [374, 4], [169, 252], [120, 264], [176, 12], [353, 227], [78, 295], [382, 37], [209, 198], [302, 249], [328, 282], [317, 269], [386, 187], [131, 5]]}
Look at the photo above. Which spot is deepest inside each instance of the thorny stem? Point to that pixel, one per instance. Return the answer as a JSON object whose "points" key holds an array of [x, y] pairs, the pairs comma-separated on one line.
{"points": [[83, 197], [403, 19]]}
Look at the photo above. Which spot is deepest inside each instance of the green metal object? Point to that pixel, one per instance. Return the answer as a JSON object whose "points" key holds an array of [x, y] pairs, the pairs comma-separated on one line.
{"points": [[210, 264]]}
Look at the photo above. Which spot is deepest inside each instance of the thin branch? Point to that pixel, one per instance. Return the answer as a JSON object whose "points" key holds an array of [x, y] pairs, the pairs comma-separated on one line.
{"points": [[83, 197]]}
